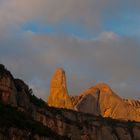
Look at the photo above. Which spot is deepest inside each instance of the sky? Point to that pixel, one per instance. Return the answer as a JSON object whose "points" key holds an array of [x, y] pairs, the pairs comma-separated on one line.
{"points": [[92, 40]]}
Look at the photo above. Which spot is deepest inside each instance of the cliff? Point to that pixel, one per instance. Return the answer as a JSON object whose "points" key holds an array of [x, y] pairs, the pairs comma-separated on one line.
{"points": [[7, 87], [26, 117], [105, 102], [100, 99], [17, 125], [58, 91]]}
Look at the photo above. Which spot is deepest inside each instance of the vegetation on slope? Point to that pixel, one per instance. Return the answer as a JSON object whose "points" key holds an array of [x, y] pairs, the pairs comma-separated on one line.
{"points": [[10, 117]]}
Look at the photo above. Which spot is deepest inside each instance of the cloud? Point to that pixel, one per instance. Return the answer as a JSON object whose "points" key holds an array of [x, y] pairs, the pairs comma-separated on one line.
{"points": [[109, 58], [89, 13]]}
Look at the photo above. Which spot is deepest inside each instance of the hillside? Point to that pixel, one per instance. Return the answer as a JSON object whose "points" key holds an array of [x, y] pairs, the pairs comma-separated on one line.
{"points": [[99, 99], [26, 117]]}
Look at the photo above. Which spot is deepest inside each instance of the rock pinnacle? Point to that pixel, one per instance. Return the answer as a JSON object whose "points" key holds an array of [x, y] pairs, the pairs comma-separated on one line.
{"points": [[58, 91]]}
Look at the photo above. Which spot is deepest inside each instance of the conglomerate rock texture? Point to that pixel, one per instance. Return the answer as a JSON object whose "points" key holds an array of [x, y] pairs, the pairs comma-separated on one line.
{"points": [[58, 91], [97, 100], [103, 101], [25, 117]]}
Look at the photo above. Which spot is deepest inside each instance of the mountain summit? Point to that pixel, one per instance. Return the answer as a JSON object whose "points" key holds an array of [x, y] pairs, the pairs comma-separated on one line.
{"points": [[23, 116], [102, 100], [97, 100], [58, 91]]}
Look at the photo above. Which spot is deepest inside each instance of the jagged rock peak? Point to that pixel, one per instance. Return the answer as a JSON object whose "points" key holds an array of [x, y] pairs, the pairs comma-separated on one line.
{"points": [[102, 100], [60, 70], [101, 87], [59, 79], [58, 91]]}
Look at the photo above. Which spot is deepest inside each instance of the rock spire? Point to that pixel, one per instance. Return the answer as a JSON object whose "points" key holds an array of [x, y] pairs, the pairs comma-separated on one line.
{"points": [[58, 91], [100, 99]]}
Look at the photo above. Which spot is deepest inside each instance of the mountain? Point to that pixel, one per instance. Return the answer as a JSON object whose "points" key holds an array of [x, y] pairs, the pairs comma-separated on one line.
{"points": [[58, 91], [26, 117], [97, 100]]}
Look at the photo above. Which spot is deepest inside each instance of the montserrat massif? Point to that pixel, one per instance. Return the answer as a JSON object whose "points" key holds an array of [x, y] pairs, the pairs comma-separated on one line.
{"points": [[97, 100], [58, 91], [26, 117]]}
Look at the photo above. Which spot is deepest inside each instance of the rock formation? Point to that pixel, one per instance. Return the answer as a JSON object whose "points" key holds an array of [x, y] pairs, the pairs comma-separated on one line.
{"points": [[61, 124], [58, 91], [89, 102], [25, 117], [7, 87], [97, 100], [103, 101]]}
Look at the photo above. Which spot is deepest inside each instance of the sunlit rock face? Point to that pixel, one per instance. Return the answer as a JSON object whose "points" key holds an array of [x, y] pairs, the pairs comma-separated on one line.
{"points": [[7, 87], [101, 100], [134, 103], [97, 100], [58, 91]]}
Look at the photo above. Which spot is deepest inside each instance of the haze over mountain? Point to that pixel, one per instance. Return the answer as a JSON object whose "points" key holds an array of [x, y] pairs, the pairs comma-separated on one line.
{"points": [[92, 40]]}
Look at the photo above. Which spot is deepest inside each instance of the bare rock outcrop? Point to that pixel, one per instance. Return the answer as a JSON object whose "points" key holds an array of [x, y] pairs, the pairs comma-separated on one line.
{"points": [[97, 100], [89, 102], [58, 91], [81, 126], [22, 96], [7, 87], [101, 100]]}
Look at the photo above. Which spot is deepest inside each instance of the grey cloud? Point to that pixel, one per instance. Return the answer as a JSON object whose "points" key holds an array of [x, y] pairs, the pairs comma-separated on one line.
{"points": [[111, 59], [34, 58], [90, 13]]}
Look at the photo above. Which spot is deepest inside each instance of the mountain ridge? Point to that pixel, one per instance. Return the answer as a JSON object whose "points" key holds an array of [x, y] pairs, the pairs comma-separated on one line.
{"points": [[26, 117], [101, 99]]}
